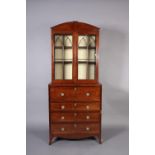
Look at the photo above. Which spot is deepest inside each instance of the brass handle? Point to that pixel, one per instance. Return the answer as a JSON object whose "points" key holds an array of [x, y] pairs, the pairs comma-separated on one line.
{"points": [[87, 128], [75, 88], [62, 117], [62, 107], [87, 94], [75, 104], [75, 125], [62, 94], [87, 107], [62, 129], [75, 114], [87, 117]]}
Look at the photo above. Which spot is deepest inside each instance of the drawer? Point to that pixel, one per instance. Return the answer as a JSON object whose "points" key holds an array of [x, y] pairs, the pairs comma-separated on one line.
{"points": [[75, 117], [75, 106], [87, 106], [63, 106], [62, 117], [72, 128], [60, 94], [88, 94], [88, 117]]}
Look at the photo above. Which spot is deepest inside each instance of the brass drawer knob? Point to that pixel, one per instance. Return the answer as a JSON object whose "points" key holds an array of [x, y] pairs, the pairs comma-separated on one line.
{"points": [[62, 129], [75, 88], [87, 117], [87, 94], [75, 125], [62, 94], [62, 107], [87, 128], [75, 104], [87, 107], [62, 117], [75, 114]]}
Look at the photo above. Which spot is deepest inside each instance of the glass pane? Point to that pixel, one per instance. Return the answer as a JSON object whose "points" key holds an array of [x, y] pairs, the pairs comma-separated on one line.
{"points": [[82, 70], [86, 57], [92, 42], [83, 40], [67, 40], [63, 55], [68, 54], [58, 54], [82, 54], [92, 55], [58, 40], [59, 71], [68, 71], [91, 71]]}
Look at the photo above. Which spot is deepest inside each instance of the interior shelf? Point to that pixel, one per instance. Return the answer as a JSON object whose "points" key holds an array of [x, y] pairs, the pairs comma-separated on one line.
{"points": [[86, 60], [63, 61], [63, 47], [85, 47], [93, 62]]}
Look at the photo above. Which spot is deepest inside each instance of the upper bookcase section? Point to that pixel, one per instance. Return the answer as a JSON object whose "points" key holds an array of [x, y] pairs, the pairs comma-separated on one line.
{"points": [[74, 26]]}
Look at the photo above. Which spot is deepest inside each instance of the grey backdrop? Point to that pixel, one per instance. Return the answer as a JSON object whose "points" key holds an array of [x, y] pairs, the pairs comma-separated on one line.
{"points": [[112, 17]]}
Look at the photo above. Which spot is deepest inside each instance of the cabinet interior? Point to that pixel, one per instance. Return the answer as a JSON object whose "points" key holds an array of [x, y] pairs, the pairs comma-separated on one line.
{"points": [[63, 57]]}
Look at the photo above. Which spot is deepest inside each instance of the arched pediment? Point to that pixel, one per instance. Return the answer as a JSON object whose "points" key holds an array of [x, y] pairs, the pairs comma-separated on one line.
{"points": [[74, 26]]}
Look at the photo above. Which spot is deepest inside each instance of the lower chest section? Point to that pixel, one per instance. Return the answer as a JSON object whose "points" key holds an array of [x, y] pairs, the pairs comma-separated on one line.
{"points": [[75, 110]]}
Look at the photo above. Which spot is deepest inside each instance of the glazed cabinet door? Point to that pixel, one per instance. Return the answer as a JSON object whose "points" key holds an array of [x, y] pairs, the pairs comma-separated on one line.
{"points": [[86, 58], [63, 57]]}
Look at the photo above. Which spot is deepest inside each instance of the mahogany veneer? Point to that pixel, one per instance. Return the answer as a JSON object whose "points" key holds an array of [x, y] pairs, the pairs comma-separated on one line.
{"points": [[75, 103]]}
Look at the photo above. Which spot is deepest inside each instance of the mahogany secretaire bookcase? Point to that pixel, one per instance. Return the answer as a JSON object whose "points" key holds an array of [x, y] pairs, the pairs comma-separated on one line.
{"points": [[75, 95]]}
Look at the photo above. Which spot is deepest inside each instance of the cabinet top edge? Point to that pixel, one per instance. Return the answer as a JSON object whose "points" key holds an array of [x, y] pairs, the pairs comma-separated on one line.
{"points": [[74, 25], [75, 85]]}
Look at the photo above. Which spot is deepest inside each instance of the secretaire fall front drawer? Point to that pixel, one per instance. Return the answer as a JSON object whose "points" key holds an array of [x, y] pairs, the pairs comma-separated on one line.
{"points": [[75, 94]]}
